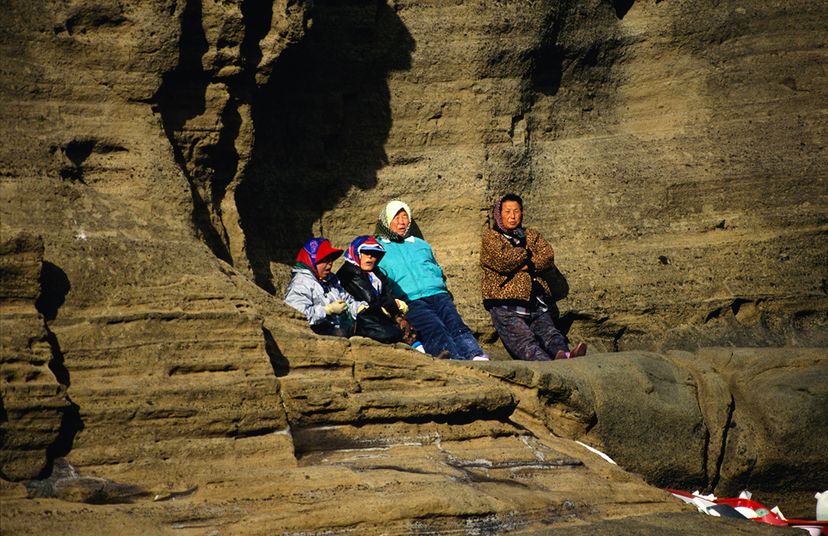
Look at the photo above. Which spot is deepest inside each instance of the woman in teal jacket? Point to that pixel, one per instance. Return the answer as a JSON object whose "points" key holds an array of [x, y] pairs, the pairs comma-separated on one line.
{"points": [[417, 279]]}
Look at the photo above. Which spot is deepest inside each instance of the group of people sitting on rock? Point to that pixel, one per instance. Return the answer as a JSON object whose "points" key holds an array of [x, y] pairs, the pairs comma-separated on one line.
{"points": [[391, 289]]}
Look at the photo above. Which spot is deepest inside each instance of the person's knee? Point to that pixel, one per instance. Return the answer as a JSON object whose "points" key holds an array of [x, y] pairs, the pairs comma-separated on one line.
{"points": [[441, 343]]}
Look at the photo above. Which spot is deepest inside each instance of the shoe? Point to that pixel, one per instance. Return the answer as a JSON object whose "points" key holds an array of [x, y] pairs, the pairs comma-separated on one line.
{"points": [[580, 350], [444, 354], [481, 357], [560, 355]]}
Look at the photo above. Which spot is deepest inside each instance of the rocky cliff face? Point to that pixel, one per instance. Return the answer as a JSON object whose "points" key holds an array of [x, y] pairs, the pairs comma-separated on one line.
{"points": [[151, 328], [674, 155], [33, 372], [163, 162]]}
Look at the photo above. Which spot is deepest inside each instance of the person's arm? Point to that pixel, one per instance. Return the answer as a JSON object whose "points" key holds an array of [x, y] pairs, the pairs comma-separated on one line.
{"points": [[353, 282], [300, 296], [386, 297], [497, 254], [543, 256], [355, 306]]}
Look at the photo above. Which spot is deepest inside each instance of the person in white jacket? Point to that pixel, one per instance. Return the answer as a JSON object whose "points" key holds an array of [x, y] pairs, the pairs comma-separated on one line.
{"points": [[316, 293]]}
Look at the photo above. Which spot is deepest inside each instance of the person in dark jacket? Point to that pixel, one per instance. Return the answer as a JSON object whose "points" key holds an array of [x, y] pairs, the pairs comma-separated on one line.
{"points": [[515, 295], [384, 318]]}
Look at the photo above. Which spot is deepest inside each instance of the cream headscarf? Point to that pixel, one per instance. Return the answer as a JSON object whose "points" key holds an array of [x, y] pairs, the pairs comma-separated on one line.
{"points": [[387, 214]]}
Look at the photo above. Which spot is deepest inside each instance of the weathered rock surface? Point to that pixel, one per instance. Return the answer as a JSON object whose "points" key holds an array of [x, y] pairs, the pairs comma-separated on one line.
{"points": [[722, 419], [160, 157], [674, 154], [35, 412], [164, 355], [375, 453]]}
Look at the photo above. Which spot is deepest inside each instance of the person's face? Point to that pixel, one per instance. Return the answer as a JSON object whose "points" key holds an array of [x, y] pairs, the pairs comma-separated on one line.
{"points": [[510, 215], [323, 267], [400, 222], [367, 261]]}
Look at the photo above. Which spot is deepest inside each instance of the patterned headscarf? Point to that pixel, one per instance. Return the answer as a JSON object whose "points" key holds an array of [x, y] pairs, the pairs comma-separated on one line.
{"points": [[315, 250], [384, 222], [364, 243], [519, 233]]}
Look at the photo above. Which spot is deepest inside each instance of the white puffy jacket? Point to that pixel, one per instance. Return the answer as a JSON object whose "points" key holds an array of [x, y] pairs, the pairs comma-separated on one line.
{"points": [[308, 295]]}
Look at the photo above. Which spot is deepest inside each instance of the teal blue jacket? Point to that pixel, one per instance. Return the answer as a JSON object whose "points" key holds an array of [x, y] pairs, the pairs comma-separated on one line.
{"points": [[411, 269]]}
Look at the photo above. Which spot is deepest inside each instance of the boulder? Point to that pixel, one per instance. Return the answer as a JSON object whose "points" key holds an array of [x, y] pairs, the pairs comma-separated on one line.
{"points": [[721, 419]]}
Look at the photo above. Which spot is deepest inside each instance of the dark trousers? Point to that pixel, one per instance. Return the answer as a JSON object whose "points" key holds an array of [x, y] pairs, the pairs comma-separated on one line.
{"points": [[440, 327], [530, 338], [378, 327], [341, 325]]}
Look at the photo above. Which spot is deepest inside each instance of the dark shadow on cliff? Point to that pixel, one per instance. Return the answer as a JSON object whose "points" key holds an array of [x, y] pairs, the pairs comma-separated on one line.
{"points": [[182, 97], [560, 290], [565, 59], [54, 286], [622, 7], [280, 364], [321, 124]]}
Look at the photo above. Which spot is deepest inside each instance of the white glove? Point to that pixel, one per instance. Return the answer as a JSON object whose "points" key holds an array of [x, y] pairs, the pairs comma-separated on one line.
{"points": [[402, 306], [362, 307], [335, 308]]}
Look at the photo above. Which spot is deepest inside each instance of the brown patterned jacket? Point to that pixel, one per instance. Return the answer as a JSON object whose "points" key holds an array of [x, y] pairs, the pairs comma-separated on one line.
{"points": [[503, 280]]}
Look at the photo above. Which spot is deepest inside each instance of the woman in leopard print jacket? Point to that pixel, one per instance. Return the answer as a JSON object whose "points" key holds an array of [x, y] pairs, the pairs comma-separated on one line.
{"points": [[516, 297]]}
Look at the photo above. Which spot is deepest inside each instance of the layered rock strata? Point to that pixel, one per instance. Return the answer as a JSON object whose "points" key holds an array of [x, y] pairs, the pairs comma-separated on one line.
{"points": [[647, 138], [36, 415], [673, 154], [161, 156], [389, 440], [163, 354], [722, 419]]}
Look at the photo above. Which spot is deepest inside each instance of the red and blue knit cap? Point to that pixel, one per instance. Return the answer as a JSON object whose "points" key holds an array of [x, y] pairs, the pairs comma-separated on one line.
{"points": [[316, 250], [364, 244]]}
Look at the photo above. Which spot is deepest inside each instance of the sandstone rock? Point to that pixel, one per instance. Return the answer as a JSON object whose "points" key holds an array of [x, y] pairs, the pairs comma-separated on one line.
{"points": [[648, 142], [164, 359], [777, 434], [722, 419], [679, 524], [36, 416], [619, 403], [168, 153], [631, 118], [66, 484]]}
